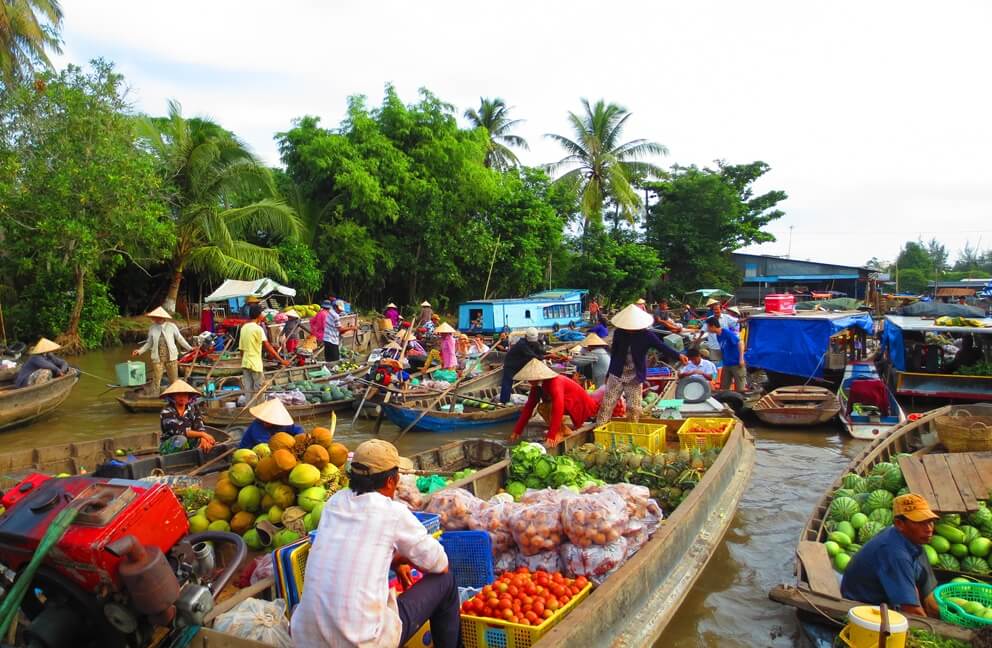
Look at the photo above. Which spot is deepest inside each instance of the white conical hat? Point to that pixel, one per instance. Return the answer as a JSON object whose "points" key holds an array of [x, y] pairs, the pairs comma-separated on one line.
{"points": [[641, 301], [390, 305], [272, 411], [425, 303], [444, 328], [535, 370], [45, 346], [594, 340], [292, 314], [160, 312], [180, 387], [632, 318]]}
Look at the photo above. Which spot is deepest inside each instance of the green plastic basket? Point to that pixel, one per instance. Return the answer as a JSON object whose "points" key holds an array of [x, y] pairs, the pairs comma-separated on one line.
{"points": [[953, 613]]}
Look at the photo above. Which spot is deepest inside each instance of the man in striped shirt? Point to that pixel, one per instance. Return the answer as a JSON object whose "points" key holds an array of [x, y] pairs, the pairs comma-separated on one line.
{"points": [[364, 532]]}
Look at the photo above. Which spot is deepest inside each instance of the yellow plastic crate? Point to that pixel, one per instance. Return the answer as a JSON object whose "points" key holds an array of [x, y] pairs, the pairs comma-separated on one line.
{"points": [[483, 632], [704, 440], [649, 436]]}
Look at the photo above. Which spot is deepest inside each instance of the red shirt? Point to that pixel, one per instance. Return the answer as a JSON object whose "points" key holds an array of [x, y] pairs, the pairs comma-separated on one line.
{"points": [[566, 396]]}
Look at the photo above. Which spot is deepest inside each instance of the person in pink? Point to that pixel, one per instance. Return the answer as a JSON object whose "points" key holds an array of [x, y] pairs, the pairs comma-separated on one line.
{"points": [[449, 358], [392, 313], [319, 321]]}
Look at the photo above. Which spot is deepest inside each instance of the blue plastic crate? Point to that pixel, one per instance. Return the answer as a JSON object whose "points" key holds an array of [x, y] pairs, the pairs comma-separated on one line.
{"points": [[431, 521], [470, 557]]}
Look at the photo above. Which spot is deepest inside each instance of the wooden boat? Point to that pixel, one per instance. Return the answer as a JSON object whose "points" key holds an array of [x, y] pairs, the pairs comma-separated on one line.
{"points": [[872, 424], [25, 404], [637, 602], [806, 405], [230, 365], [817, 587], [458, 455]]}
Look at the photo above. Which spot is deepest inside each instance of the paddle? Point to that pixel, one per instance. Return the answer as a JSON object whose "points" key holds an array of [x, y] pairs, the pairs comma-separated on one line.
{"points": [[358, 410]]}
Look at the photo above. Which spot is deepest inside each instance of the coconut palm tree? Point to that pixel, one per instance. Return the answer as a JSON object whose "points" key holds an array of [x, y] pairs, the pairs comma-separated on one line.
{"points": [[221, 196], [493, 115], [27, 29], [599, 165]]}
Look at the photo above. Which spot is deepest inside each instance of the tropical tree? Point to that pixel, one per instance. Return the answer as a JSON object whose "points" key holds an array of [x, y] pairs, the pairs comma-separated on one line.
{"points": [[600, 165], [27, 29], [222, 197], [493, 115]]}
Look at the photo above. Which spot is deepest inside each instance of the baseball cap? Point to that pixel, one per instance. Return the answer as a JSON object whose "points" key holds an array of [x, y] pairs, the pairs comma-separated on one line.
{"points": [[376, 456], [531, 334], [913, 507]]}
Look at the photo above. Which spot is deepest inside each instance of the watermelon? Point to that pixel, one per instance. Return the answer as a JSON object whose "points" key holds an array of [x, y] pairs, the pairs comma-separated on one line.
{"points": [[940, 544], [950, 518], [959, 550], [975, 565], [840, 538], [844, 492], [853, 482], [948, 562], [873, 483], [982, 517], [858, 520], [878, 499], [890, 474], [882, 516], [970, 533], [843, 508], [846, 528], [869, 531], [980, 547], [853, 548], [902, 491]]}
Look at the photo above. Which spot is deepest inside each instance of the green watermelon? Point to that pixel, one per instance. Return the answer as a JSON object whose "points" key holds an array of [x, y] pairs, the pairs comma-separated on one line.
{"points": [[853, 482], [858, 520], [842, 508], [982, 517], [975, 565], [932, 557], [878, 499], [970, 533], [869, 531], [882, 516], [890, 474], [948, 562], [844, 492]]}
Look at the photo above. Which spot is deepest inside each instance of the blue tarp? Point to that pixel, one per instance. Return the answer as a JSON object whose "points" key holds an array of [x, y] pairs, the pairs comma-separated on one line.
{"points": [[796, 346], [893, 344]]}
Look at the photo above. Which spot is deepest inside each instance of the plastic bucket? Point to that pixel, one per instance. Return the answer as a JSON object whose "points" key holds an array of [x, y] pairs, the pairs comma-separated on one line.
{"points": [[864, 623], [131, 373]]}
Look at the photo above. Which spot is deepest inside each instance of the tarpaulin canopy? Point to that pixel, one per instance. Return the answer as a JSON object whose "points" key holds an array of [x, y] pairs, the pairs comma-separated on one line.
{"points": [[234, 289], [939, 309], [895, 325], [796, 345]]}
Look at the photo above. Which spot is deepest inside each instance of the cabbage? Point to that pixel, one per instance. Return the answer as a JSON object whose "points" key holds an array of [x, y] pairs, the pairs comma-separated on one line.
{"points": [[877, 499], [869, 531], [534, 483], [523, 457], [882, 516], [566, 473], [544, 466], [842, 508], [516, 489]]}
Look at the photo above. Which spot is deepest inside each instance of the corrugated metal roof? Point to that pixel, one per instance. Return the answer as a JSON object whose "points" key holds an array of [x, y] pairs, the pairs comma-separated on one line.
{"points": [[956, 292]]}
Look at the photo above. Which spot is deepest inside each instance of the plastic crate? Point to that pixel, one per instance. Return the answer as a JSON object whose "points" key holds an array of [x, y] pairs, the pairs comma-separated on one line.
{"points": [[431, 521], [953, 613], [470, 557], [289, 567], [130, 373], [483, 632], [704, 440], [649, 436]]}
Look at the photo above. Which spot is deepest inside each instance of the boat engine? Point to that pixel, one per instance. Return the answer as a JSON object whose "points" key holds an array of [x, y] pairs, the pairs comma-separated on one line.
{"points": [[125, 565]]}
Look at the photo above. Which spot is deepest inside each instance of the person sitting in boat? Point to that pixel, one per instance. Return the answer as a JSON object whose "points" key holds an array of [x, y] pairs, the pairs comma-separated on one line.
{"points": [[594, 363], [526, 349], [478, 347], [502, 343], [553, 396], [42, 360], [363, 534], [181, 421], [270, 417], [663, 318], [892, 567], [732, 353], [392, 313], [164, 341], [600, 328], [697, 365]]}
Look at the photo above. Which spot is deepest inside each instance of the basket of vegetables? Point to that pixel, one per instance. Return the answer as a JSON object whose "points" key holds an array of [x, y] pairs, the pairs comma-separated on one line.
{"points": [[965, 604], [704, 433]]}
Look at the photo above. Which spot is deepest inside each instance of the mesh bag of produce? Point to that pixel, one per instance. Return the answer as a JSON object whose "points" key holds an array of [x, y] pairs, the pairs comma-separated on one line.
{"points": [[593, 562], [495, 519], [537, 528], [456, 508], [549, 561], [594, 518], [548, 496], [262, 621]]}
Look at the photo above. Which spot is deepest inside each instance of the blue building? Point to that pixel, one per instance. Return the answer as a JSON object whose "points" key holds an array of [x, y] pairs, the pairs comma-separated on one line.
{"points": [[763, 274], [540, 310]]}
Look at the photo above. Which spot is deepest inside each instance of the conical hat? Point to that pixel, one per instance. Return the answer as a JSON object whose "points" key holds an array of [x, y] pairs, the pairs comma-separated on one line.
{"points": [[594, 340], [45, 346], [632, 318], [394, 346], [180, 387], [292, 314], [641, 301], [712, 302], [390, 305], [272, 411], [160, 312], [444, 328], [425, 303], [535, 370]]}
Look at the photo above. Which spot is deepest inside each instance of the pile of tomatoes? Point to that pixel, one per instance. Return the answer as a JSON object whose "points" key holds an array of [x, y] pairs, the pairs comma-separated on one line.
{"points": [[524, 597]]}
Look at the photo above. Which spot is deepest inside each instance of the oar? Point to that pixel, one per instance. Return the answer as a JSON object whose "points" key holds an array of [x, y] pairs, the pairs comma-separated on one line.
{"points": [[214, 365], [358, 410]]}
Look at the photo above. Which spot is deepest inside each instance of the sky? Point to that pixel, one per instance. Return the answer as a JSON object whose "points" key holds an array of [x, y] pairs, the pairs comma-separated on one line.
{"points": [[874, 116]]}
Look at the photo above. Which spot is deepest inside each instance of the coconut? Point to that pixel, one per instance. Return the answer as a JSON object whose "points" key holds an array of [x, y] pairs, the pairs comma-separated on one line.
{"points": [[316, 456], [219, 525], [323, 437], [275, 514], [311, 497], [268, 470], [304, 476], [267, 502], [244, 455], [284, 459], [281, 441], [308, 523], [217, 510], [242, 522], [286, 536], [226, 492], [198, 524], [252, 540], [262, 450], [241, 474], [283, 495], [338, 453], [250, 498]]}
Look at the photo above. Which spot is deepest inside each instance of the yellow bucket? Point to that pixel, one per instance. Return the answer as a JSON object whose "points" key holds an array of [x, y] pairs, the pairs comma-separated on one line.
{"points": [[864, 623]]}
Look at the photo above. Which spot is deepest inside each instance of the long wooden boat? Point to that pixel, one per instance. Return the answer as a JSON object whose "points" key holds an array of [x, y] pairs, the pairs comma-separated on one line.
{"points": [[807, 405], [637, 602], [24, 404], [8, 375], [867, 426], [817, 587]]}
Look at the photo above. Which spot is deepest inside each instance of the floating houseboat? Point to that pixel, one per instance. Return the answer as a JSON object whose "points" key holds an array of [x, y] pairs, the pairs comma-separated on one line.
{"points": [[541, 310]]}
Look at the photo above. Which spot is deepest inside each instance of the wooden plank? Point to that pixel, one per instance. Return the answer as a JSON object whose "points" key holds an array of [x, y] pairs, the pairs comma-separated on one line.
{"points": [[947, 497], [819, 571], [916, 478], [966, 479], [983, 464]]}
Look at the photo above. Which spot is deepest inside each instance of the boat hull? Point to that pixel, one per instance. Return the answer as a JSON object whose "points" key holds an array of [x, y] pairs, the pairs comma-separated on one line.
{"points": [[797, 406], [404, 416], [867, 427], [20, 406], [943, 386]]}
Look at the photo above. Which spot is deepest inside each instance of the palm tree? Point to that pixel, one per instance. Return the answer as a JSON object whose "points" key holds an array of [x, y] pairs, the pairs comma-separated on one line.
{"points": [[221, 195], [493, 115], [600, 166], [27, 29]]}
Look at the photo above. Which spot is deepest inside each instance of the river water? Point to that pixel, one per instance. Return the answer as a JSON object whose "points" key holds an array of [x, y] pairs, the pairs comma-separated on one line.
{"points": [[729, 606]]}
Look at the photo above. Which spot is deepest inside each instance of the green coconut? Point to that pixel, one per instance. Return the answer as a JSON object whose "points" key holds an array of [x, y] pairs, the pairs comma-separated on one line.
{"points": [[252, 539], [241, 474], [246, 456], [219, 525], [311, 497], [198, 523], [249, 498], [283, 495], [262, 450], [285, 536], [304, 476]]}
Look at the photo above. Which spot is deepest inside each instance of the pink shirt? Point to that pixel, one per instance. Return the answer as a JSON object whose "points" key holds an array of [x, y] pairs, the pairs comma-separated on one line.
{"points": [[317, 324], [449, 359]]}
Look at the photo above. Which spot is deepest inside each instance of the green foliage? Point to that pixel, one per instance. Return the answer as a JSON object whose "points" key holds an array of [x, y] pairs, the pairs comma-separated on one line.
{"points": [[912, 280], [619, 268], [44, 307], [27, 29], [914, 256], [493, 116], [299, 263]]}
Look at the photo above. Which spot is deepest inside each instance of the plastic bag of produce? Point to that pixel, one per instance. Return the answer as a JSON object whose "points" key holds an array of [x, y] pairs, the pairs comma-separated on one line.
{"points": [[636, 497], [548, 496], [505, 562], [456, 507], [537, 528], [262, 621], [431, 484], [549, 561], [594, 518], [593, 562], [408, 493], [496, 519]]}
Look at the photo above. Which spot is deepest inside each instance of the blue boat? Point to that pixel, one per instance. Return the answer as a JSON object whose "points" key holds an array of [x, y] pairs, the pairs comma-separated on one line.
{"points": [[541, 310]]}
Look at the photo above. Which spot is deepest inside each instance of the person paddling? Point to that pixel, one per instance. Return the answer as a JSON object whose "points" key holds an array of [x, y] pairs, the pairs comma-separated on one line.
{"points": [[42, 360]]}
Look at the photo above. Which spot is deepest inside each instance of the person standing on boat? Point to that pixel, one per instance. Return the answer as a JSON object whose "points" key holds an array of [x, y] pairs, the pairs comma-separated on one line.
{"points": [[600, 327], [319, 321], [392, 313], [594, 309], [333, 331], [426, 318], [251, 340], [595, 362], [449, 357], [42, 359], [892, 567], [697, 366], [732, 352], [288, 336], [628, 361], [553, 396], [726, 322], [642, 304], [164, 341], [271, 416], [181, 421], [526, 349]]}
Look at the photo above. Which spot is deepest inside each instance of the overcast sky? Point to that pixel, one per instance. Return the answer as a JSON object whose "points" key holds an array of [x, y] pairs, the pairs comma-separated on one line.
{"points": [[874, 116]]}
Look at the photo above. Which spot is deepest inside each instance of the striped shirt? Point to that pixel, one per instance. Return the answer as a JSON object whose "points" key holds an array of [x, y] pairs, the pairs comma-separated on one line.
{"points": [[347, 600]]}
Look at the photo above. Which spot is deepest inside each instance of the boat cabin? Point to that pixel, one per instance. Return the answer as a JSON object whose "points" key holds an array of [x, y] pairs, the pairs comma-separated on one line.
{"points": [[234, 295], [544, 309]]}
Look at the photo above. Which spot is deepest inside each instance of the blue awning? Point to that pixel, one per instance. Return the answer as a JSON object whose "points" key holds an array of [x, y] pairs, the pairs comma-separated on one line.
{"points": [[795, 345], [777, 278]]}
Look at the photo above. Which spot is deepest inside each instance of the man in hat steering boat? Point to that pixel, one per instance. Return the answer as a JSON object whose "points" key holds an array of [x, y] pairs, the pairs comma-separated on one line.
{"points": [[42, 359], [164, 341]]}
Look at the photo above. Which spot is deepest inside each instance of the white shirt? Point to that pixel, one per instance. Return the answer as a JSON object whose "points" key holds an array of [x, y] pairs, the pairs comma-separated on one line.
{"points": [[173, 338], [726, 321], [704, 364], [347, 600], [332, 327]]}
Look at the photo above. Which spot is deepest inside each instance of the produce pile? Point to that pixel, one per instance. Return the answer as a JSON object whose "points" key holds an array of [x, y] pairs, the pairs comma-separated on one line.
{"points": [[524, 597], [532, 468], [978, 369], [974, 608], [862, 508], [274, 493], [306, 391], [303, 310]]}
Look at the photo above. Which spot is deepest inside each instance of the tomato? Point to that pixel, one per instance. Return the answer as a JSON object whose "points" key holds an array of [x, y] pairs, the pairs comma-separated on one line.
{"points": [[504, 605], [526, 622], [538, 608], [513, 590], [502, 587], [548, 614], [507, 614], [552, 604]]}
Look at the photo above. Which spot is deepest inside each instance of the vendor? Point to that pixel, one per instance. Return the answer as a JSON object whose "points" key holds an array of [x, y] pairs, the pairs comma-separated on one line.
{"points": [[502, 343], [42, 359], [697, 366], [595, 361], [663, 318], [558, 395], [288, 336], [628, 361], [392, 313], [732, 352], [426, 318], [363, 533], [250, 300], [449, 357], [526, 349], [726, 322], [251, 341], [319, 321], [600, 327], [164, 341], [892, 567], [181, 421], [270, 417], [333, 331]]}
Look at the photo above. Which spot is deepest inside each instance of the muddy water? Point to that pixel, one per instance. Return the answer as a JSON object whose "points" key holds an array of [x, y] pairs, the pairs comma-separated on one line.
{"points": [[729, 606]]}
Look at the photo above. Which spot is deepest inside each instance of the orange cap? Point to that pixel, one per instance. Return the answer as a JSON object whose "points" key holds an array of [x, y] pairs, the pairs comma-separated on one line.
{"points": [[913, 507]]}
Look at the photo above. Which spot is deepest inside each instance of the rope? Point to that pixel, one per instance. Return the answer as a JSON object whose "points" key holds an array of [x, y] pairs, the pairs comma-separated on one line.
{"points": [[815, 607]]}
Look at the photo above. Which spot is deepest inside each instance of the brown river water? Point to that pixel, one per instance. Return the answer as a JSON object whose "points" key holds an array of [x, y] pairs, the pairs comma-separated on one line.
{"points": [[728, 607]]}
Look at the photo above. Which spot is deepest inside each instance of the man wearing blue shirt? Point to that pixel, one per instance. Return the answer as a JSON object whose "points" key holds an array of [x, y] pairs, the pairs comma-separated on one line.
{"points": [[732, 351], [892, 568], [271, 416]]}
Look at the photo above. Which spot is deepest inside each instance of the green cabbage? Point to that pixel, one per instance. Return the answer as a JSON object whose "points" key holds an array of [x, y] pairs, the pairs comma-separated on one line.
{"points": [[523, 457], [543, 467], [516, 489]]}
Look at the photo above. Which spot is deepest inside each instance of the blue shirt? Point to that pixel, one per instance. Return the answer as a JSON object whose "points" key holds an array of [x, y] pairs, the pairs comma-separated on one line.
{"points": [[888, 569], [730, 347], [257, 433]]}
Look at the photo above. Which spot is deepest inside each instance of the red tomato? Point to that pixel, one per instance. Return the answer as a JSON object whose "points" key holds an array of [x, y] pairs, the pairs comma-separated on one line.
{"points": [[514, 590], [507, 614], [552, 604], [548, 614], [538, 608]]}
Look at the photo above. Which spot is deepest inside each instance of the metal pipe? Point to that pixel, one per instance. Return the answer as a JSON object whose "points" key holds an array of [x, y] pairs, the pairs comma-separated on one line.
{"points": [[241, 552], [205, 561]]}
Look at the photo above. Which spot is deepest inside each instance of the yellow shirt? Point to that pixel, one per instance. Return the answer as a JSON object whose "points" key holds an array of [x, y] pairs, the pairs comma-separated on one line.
{"points": [[250, 344]]}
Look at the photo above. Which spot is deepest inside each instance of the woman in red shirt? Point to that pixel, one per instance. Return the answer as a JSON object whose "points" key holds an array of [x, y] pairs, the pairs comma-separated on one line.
{"points": [[559, 394]]}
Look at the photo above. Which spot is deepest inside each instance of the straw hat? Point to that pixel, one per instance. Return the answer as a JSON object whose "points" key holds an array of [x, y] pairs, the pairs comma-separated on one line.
{"points": [[394, 346], [641, 301], [160, 312], [535, 370], [444, 328], [425, 303], [45, 346], [180, 387], [594, 340], [632, 318], [292, 314], [273, 412], [391, 305], [711, 301]]}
